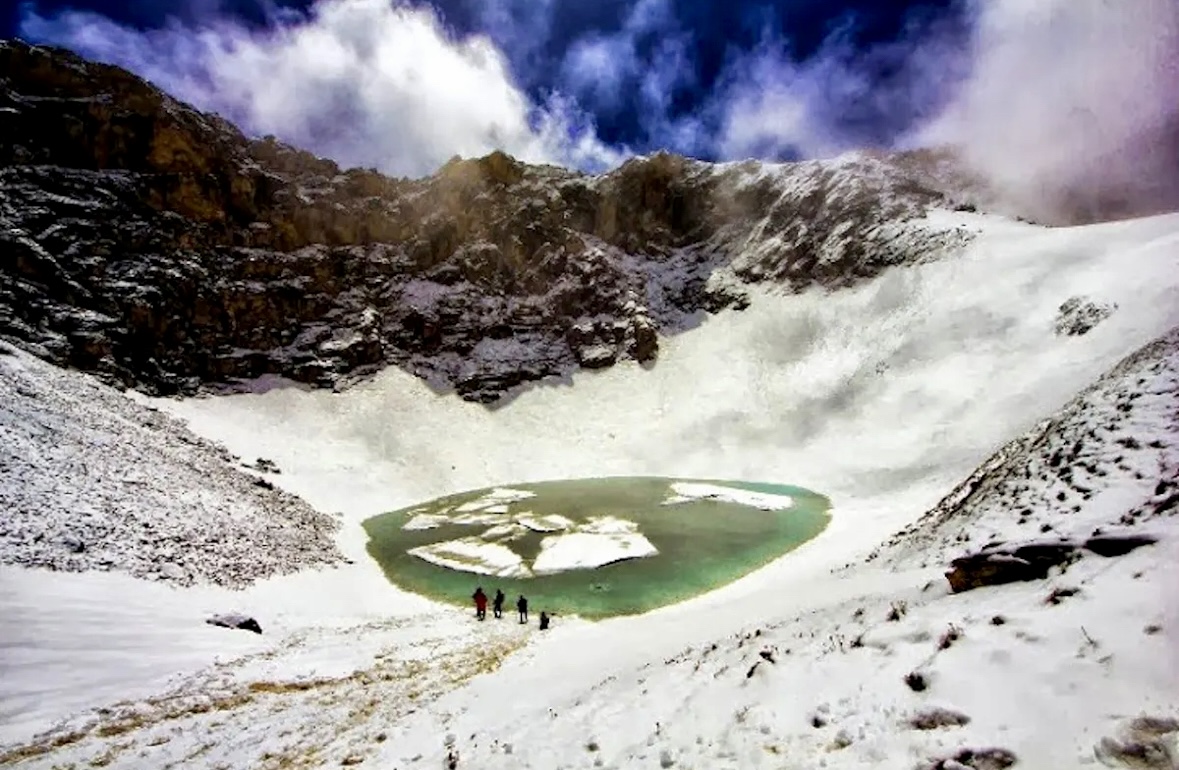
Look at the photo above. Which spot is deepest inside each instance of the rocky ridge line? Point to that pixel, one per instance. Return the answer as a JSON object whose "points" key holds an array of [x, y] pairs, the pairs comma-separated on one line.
{"points": [[161, 249]]}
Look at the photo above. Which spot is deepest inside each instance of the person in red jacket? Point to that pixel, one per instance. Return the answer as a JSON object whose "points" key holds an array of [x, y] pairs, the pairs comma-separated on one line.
{"points": [[480, 603]]}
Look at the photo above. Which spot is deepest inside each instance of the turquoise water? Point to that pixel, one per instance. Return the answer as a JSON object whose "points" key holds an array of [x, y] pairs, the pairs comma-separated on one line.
{"points": [[702, 544]]}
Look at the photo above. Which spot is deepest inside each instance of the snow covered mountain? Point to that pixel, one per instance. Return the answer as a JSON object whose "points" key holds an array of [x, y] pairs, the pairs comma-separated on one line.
{"points": [[160, 248], [993, 413]]}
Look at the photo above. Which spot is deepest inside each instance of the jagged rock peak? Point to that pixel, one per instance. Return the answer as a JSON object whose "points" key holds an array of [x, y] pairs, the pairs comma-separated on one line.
{"points": [[162, 249]]}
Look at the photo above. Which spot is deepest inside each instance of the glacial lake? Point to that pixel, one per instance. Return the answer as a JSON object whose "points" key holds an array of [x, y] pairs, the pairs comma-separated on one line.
{"points": [[594, 547]]}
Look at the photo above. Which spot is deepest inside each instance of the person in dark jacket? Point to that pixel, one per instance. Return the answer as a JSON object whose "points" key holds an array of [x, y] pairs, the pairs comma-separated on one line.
{"points": [[544, 621], [498, 605], [522, 608], [480, 603]]}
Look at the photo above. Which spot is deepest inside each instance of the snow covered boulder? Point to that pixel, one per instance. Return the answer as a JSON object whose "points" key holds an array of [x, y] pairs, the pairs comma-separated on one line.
{"points": [[974, 759], [1147, 742], [235, 620], [1000, 564], [1078, 315]]}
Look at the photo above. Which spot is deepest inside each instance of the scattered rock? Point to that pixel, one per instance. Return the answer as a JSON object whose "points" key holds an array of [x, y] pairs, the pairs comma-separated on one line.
{"points": [[104, 483], [1147, 742], [265, 466], [896, 611], [351, 759], [841, 741], [235, 620], [917, 681], [974, 759], [1060, 593], [998, 620], [948, 637], [1078, 315], [1118, 545], [933, 718]]}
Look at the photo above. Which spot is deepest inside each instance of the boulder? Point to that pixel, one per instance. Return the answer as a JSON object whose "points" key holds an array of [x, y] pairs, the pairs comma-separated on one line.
{"points": [[1002, 563], [235, 620], [974, 759], [1118, 545], [596, 356], [1078, 315]]}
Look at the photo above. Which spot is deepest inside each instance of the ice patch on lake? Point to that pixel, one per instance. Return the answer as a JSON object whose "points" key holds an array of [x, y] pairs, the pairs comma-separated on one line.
{"points": [[589, 550], [426, 521], [498, 498], [596, 542], [550, 523], [686, 492], [478, 519], [608, 525], [511, 531], [473, 554]]}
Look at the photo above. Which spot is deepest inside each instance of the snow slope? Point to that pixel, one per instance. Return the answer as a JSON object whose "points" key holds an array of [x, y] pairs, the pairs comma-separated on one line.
{"points": [[883, 397], [92, 480]]}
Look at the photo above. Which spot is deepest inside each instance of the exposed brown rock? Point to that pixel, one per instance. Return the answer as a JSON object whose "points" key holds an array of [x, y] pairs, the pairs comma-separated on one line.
{"points": [[161, 249], [1007, 564]]}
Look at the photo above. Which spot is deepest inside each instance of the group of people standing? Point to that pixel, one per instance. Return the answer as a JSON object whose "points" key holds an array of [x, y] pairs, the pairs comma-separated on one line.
{"points": [[497, 606]]}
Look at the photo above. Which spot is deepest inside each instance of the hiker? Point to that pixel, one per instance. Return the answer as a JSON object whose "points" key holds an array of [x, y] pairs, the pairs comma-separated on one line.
{"points": [[452, 759], [498, 605], [544, 620], [522, 608], [480, 603]]}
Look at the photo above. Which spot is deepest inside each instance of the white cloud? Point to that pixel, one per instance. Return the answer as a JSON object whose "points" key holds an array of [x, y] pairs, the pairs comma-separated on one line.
{"points": [[1067, 106], [365, 82], [636, 69], [770, 105], [597, 68], [522, 28], [843, 96], [1072, 106]]}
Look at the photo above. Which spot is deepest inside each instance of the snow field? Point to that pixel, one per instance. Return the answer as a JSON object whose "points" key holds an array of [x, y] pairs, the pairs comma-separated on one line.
{"points": [[882, 397]]}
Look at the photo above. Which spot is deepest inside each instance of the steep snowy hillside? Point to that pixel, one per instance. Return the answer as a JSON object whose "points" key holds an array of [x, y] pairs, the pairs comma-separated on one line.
{"points": [[90, 480], [1105, 465]]}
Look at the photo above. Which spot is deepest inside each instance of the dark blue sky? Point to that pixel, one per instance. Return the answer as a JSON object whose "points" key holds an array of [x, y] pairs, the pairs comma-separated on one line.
{"points": [[862, 89]]}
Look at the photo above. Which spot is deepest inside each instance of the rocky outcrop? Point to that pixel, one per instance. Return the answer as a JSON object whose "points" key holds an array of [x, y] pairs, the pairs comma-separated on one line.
{"points": [[1002, 563], [1078, 315], [997, 566], [161, 249]]}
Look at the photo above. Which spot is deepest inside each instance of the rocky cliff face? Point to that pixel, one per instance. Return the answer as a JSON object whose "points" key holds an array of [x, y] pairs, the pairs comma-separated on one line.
{"points": [[161, 249]]}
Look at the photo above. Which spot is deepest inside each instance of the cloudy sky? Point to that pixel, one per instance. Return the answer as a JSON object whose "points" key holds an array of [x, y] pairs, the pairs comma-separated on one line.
{"points": [[402, 86]]}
